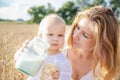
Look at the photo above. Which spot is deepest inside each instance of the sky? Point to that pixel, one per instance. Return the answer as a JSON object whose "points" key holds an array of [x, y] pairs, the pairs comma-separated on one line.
{"points": [[15, 9]]}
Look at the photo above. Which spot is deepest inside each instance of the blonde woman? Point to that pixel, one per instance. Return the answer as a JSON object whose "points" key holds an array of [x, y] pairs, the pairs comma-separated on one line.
{"points": [[93, 45]]}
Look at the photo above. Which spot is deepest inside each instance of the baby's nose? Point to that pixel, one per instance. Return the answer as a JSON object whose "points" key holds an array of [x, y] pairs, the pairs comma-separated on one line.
{"points": [[55, 38]]}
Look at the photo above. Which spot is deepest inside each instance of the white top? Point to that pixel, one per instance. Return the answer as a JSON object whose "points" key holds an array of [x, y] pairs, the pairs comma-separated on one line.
{"points": [[88, 76], [62, 64]]}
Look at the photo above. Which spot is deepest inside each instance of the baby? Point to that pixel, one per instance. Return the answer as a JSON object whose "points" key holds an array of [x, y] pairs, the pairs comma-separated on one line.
{"points": [[52, 31]]}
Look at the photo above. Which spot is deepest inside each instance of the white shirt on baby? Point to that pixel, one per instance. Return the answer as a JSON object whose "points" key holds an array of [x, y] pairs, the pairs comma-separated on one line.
{"points": [[62, 64]]}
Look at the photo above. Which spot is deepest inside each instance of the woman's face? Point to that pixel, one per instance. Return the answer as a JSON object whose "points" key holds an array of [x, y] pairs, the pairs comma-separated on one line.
{"points": [[84, 35]]}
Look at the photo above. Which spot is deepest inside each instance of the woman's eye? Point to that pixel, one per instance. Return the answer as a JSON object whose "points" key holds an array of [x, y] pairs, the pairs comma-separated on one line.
{"points": [[78, 27], [85, 35]]}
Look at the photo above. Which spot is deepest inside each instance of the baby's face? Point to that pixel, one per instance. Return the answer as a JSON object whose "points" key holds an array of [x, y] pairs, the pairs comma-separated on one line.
{"points": [[54, 35]]}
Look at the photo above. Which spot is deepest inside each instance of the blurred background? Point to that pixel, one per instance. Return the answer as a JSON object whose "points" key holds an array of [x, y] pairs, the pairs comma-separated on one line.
{"points": [[33, 11], [19, 21]]}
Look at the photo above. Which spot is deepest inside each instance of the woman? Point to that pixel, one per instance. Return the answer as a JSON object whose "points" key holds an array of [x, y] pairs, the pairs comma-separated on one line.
{"points": [[93, 45]]}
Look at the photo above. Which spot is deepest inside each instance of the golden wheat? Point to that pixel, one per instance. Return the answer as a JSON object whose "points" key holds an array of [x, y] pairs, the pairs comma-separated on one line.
{"points": [[12, 35]]}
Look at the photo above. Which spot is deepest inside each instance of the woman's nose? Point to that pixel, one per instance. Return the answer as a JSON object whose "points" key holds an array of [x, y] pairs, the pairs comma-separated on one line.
{"points": [[76, 35]]}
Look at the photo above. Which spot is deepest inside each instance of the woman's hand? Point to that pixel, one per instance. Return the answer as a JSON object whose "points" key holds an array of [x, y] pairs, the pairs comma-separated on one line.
{"points": [[18, 53]]}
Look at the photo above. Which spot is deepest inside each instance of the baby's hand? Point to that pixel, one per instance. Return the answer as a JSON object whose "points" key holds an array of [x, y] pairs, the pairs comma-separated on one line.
{"points": [[18, 53], [55, 75], [50, 72]]}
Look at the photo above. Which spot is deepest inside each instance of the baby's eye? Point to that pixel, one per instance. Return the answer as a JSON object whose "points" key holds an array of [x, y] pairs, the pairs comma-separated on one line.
{"points": [[60, 35], [50, 34]]}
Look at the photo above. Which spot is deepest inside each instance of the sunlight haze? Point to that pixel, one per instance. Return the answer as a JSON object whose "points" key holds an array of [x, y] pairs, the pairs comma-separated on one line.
{"points": [[15, 9]]}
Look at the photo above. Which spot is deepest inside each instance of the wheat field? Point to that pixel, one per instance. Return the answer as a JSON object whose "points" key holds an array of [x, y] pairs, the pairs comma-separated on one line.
{"points": [[12, 35]]}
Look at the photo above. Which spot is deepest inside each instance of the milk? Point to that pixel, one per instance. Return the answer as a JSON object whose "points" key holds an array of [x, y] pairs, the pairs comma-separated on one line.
{"points": [[32, 57]]}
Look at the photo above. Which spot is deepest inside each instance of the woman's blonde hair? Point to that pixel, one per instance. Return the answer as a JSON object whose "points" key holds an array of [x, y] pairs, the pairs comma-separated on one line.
{"points": [[106, 49]]}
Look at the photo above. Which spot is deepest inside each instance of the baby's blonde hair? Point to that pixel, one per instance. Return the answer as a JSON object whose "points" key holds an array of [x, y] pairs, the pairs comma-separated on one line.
{"points": [[48, 20]]}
